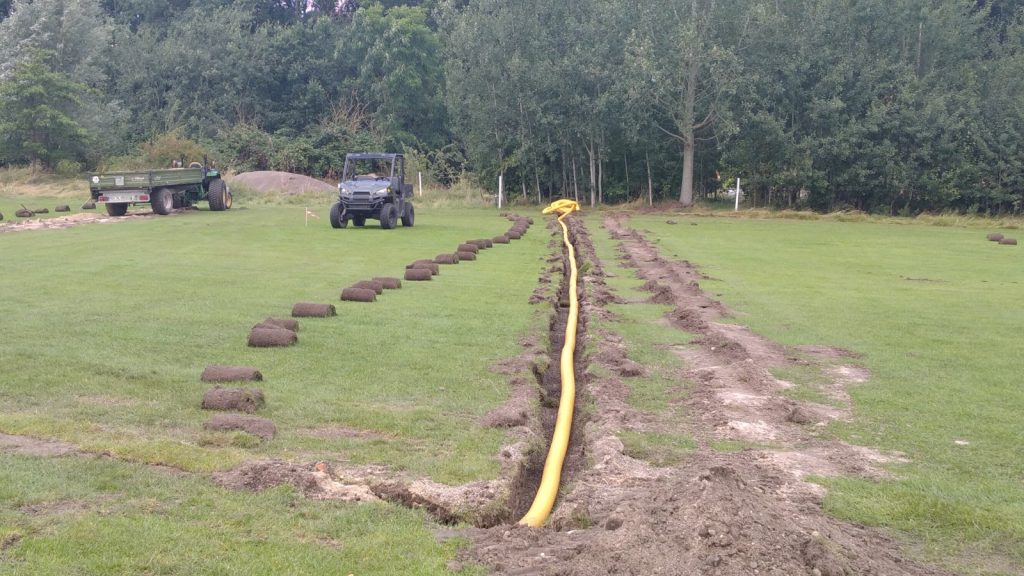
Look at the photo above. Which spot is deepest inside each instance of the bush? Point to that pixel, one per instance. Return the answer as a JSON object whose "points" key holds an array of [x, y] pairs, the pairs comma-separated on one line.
{"points": [[68, 168]]}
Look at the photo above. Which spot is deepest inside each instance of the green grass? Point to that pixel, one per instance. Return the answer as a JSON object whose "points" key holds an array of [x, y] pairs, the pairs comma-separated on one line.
{"points": [[936, 313], [658, 448], [102, 516]]}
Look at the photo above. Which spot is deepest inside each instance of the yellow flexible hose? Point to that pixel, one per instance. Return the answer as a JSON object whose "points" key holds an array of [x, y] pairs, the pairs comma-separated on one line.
{"points": [[552, 476]]}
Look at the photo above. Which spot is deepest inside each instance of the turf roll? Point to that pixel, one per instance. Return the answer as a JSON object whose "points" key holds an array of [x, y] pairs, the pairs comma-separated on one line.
{"points": [[218, 373], [995, 237], [252, 424], [1008, 241], [42, 211], [233, 399], [286, 323], [466, 255], [271, 337], [23, 213], [62, 208], [467, 248], [358, 295], [513, 235], [89, 205], [418, 274], [434, 267], [388, 283], [447, 259], [313, 310], [377, 287], [503, 239]]}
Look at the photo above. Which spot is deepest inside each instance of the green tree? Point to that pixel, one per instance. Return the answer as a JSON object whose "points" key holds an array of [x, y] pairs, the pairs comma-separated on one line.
{"points": [[37, 106]]}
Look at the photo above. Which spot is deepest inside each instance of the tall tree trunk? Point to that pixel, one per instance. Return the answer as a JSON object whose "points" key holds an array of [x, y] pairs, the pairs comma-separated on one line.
{"points": [[600, 177], [650, 182], [686, 189], [575, 186], [593, 174], [536, 181]]}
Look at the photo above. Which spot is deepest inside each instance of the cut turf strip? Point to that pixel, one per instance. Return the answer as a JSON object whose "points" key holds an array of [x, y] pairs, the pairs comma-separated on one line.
{"points": [[358, 295], [218, 373], [1008, 241], [434, 267], [271, 337], [313, 310], [254, 425], [233, 399], [418, 274], [995, 237], [466, 255], [388, 283], [503, 239], [467, 248]]}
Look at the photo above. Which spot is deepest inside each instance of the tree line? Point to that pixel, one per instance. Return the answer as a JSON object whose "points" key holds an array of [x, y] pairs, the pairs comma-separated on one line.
{"points": [[883, 106]]}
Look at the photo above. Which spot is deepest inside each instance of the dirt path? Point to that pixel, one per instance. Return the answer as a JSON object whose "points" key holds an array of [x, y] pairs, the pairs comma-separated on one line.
{"points": [[747, 512]]}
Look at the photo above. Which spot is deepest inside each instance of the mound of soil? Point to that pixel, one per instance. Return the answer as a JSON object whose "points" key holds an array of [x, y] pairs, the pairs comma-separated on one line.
{"points": [[284, 183]]}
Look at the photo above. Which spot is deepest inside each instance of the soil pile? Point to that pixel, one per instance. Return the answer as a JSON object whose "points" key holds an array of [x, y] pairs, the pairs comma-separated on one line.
{"points": [[284, 183]]}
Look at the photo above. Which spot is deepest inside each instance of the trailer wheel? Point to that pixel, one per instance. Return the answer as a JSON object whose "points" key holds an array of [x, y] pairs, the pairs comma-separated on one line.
{"points": [[359, 221], [218, 196], [336, 220], [117, 209], [162, 201], [409, 215], [387, 216]]}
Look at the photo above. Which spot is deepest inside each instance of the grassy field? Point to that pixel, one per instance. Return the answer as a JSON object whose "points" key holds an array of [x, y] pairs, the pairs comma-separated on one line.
{"points": [[107, 328], [935, 312]]}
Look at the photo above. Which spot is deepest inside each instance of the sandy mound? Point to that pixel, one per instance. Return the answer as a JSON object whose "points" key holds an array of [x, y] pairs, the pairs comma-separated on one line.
{"points": [[281, 182]]}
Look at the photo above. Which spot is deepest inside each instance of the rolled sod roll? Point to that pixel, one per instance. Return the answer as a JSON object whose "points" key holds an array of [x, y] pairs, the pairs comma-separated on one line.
{"points": [[434, 267], [377, 287], [252, 424], [23, 213], [62, 208], [89, 205], [466, 255], [418, 274], [529, 221], [996, 237], [447, 259], [388, 283], [313, 310], [42, 211], [233, 399], [1008, 241], [218, 373], [467, 248], [286, 323], [513, 235], [271, 337], [503, 239], [480, 244], [358, 295], [487, 242]]}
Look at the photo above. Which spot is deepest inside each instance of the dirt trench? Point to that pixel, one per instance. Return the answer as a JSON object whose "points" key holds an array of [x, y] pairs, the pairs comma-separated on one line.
{"points": [[728, 513]]}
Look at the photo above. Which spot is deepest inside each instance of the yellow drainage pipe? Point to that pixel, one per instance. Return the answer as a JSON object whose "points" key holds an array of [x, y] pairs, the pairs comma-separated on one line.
{"points": [[552, 476]]}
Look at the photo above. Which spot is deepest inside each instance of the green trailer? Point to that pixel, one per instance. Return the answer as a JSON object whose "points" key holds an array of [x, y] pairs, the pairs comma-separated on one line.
{"points": [[164, 190]]}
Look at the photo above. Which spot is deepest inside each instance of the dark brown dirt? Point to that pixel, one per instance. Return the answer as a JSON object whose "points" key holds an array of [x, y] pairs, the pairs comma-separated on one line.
{"points": [[359, 295], [271, 337], [741, 513], [313, 310], [377, 287], [418, 274], [218, 373], [388, 282], [254, 425], [247, 400], [35, 446]]}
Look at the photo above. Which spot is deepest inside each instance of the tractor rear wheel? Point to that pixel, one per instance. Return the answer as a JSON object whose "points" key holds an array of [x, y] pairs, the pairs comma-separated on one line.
{"points": [[218, 196]]}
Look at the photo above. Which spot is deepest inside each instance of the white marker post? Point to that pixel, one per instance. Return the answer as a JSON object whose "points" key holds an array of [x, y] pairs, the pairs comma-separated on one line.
{"points": [[419, 176], [737, 195], [501, 188]]}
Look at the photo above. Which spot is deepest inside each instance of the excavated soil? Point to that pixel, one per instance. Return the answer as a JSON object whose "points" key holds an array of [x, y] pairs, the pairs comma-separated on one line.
{"points": [[284, 183], [747, 512]]}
